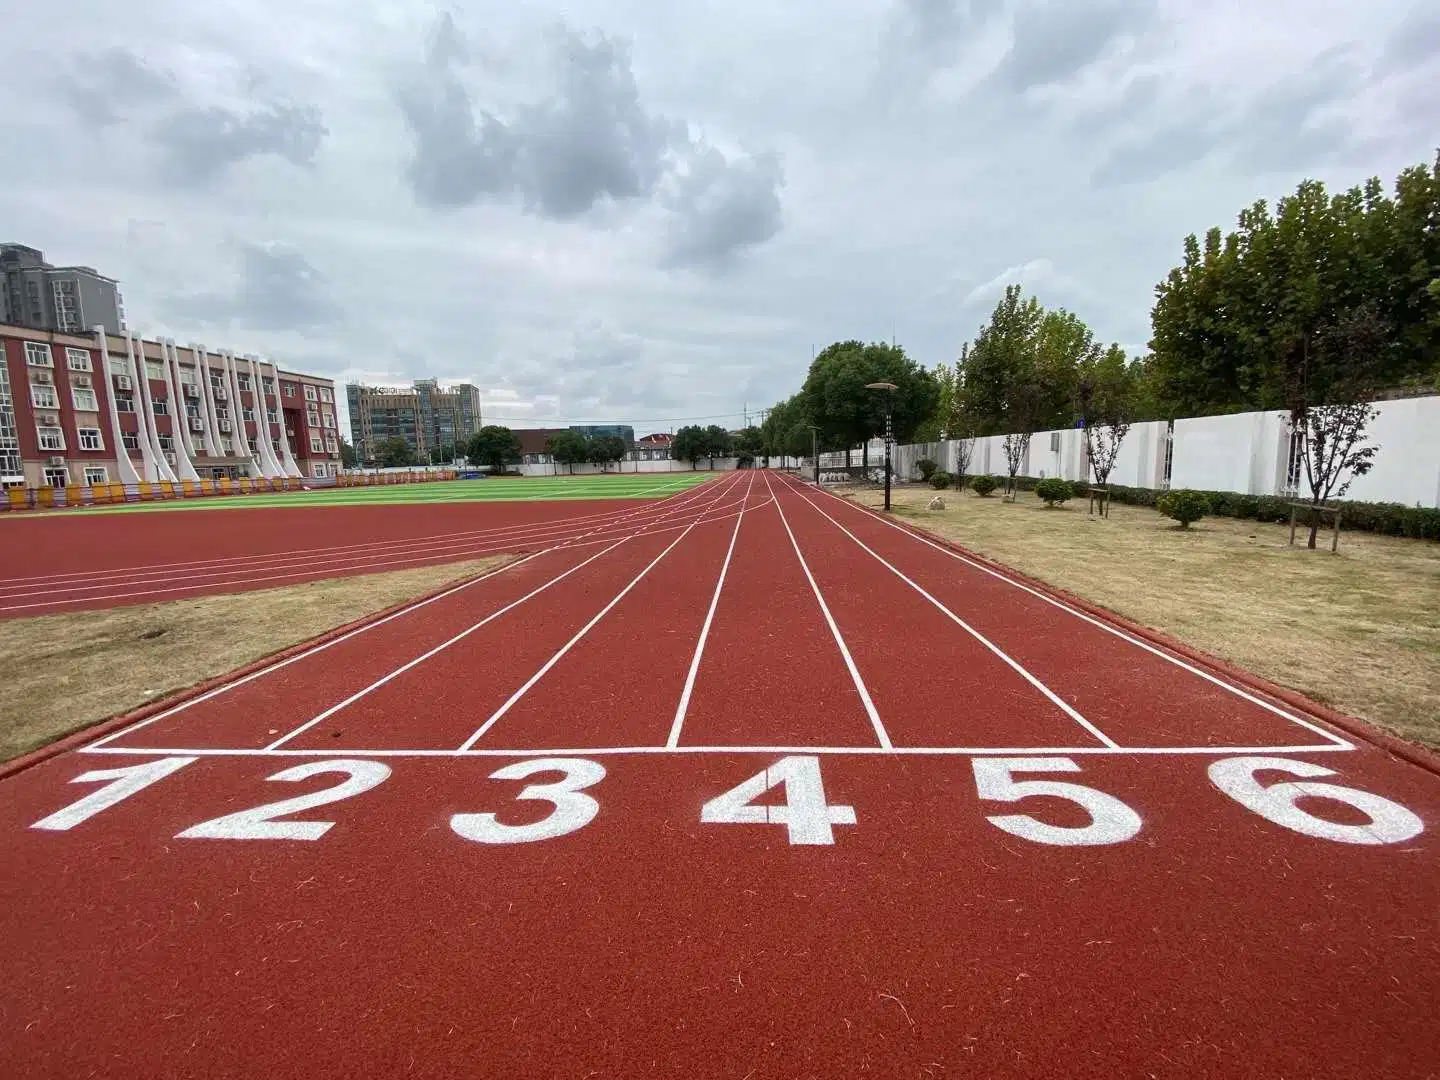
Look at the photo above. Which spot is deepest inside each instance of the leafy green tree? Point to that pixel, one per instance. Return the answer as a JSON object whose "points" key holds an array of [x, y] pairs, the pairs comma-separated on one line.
{"points": [[1104, 403], [749, 445], [718, 443], [494, 446], [348, 458], [1002, 356], [568, 448], [835, 397], [394, 453], [691, 444], [606, 450], [442, 455]]}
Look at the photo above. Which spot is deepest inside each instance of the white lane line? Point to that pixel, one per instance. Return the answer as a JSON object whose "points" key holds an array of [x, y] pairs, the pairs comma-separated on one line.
{"points": [[684, 705], [461, 636], [692, 748], [397, 672], [860, 687], [1340, 743], [559, 654], [219, 564], [1014, 664], [416, 559], [307, 653]]}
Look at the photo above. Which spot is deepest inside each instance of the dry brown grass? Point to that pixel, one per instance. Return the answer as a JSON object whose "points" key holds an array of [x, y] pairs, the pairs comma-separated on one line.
{"points": [[64, 672], [1359, 630]]}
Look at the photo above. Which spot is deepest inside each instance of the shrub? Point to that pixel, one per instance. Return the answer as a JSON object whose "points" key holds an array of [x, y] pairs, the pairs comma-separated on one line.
{"points": [[940, 479], [983, 485], [1054, 490], [1184, 506], [926, 468]]}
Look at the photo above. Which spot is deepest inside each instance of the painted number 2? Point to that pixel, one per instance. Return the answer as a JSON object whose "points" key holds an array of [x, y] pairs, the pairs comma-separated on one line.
{"points": [[1111, 821], [805, 813]]}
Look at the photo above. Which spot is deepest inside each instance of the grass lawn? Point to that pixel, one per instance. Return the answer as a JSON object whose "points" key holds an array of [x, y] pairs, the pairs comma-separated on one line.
{"points": [[1359, 630], [63, 672], [501, 489]]}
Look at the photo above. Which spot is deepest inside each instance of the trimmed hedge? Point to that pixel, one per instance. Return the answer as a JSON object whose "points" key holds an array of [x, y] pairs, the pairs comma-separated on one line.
{"points": [[1387, 519]]}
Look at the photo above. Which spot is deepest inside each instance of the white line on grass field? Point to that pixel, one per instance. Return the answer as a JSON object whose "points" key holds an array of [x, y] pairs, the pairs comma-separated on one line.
{"points": [[684, 705], [860, 687], [1341, 744], [859, 751], [1054, 698], [307, 653]]}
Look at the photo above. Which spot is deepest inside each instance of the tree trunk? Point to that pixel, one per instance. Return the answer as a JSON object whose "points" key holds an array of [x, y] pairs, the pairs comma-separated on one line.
{"points": [[847, 458], [865, 455], [1314, 524]]}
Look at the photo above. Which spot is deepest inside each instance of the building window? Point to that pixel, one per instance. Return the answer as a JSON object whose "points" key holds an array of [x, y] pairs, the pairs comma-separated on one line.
{"points": [[329, 421], [268, 383], [78, 360], [154, 370], [37, 354], [44, 397], [243, 380], [253, 448], [288, 388], [96, 474], [51, 437], [57, 477], [167, 442], [330, 447], [85, 400], [11, 467], [228, 446], [124, 403], [326, 395], [309, 393], [315, 446], [247, 414], [130, 440], [317, 470], [91, 439], [159, 406], [273, 415], [117, 366]]}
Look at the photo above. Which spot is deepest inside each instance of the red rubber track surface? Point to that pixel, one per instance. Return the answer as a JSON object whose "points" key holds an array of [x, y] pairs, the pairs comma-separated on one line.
{"points": [[924, 942], [54, 563]]}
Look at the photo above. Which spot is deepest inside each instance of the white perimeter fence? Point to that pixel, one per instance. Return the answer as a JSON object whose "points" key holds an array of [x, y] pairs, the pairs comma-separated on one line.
{"points": [[665, 465], [1247, 453]]}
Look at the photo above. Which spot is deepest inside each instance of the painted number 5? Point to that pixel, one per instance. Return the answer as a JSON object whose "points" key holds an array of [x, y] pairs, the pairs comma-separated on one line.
{"points": [[573, 809], [1390, 823], [1111, 821]]}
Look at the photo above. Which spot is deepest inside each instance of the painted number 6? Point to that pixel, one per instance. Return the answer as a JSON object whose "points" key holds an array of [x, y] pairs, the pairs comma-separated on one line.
{"points": [[1111, 821], [1390, 823], [573, 809]]}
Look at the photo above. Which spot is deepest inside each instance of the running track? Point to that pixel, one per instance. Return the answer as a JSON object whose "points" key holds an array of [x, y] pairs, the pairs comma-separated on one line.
{"points": [[1002, 839]]}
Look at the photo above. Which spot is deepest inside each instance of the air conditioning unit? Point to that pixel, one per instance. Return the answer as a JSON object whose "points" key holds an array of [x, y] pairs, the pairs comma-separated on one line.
{"points": [[42, 377], [122, 382], [170, 457], [224, 425], [1055, 441], [220, 394], [81, 381], [191, 390], [57, 460], [196, 424]]}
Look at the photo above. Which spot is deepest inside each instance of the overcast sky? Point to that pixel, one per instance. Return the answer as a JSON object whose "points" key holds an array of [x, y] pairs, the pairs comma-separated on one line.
{"points": [[646, 211]]}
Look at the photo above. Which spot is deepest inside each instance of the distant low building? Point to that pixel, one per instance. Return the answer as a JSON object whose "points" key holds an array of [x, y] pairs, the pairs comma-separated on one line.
{"points": [[654, 447], [592, 431], [58, 299]]}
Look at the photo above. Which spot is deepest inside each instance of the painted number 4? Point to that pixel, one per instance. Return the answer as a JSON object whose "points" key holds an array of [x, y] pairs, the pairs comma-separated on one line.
{"points": [[805, 813]]}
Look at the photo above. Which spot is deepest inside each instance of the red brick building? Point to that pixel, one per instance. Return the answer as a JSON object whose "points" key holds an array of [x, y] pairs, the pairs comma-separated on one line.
{"points": [[97, 408]]}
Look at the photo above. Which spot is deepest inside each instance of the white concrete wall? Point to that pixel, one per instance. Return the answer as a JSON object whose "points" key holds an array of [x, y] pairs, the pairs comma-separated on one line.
{"points": [[632, 467], [1407, 465], [1243, 452], [1141, 460]]}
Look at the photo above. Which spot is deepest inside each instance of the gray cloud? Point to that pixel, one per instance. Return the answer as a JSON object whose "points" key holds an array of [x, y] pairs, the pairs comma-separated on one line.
{"points": [[278, 290], [1416, 41], [591, 141], [1058, 39], [723, 207], [103, 87], [201, 143]]}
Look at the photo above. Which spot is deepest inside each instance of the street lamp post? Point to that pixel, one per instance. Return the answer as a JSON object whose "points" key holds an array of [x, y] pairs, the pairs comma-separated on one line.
{"points": [[889, 389]]}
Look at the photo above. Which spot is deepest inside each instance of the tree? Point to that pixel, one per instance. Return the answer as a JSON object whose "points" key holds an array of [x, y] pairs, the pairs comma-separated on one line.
{"points": [[836, 401], [348, 458], [494, 446], [718, 443], [1329, 393], [964, 451], [1024, 399], [568, 448], [605, 450], [442, 455], [691, 444], [749, 445], [1003, 351], [1104, 392], [394, 453]]}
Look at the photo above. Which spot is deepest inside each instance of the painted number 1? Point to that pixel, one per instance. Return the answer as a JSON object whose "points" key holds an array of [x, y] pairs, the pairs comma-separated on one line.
{"points": [[123, 783]]}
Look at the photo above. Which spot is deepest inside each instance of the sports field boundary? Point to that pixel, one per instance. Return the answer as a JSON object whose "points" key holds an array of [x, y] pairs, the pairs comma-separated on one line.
{"points": [[1413, 753], [111, 724]]}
